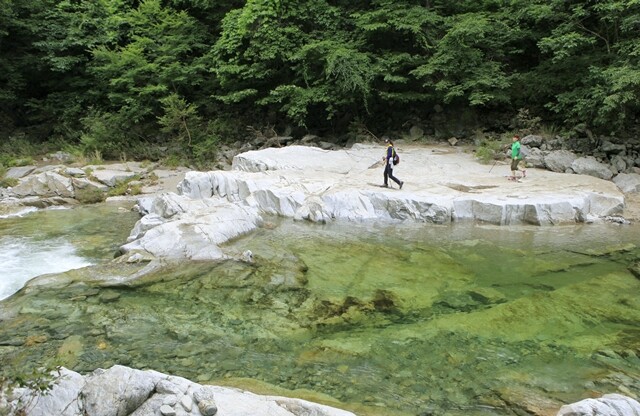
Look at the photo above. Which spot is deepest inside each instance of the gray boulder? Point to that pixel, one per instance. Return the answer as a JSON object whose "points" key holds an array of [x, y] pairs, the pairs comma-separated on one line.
{"points": [[45, 184], [75, 172], [535, 158], [19, 171], [559, 160], [628, 182], [86, 184], [112, 177], [612, 148], [64, 401], [532, 140], [117, 391], [618, 164], [590, 166]]}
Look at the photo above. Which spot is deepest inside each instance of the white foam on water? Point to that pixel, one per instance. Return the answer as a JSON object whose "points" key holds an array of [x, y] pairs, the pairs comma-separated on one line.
{"points": [[21, 213], [22, 258]]}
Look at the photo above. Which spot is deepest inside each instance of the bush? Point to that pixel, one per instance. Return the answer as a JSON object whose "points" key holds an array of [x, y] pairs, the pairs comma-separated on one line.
{"points": [[490, 150], [39, 380], [126, 187], [90, 195], [6, 182]]}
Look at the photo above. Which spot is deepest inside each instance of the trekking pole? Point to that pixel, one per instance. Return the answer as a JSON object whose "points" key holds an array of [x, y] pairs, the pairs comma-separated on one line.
{"points": [[494, 164]]}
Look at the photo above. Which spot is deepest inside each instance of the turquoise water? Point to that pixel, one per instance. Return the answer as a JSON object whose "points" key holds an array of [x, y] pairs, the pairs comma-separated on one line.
{"points": [[395, 319]]}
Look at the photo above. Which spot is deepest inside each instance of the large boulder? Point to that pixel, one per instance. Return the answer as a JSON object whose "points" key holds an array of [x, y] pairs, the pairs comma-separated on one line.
{"points": [[532, 140], [628, 182], [45, 184], [182, 228], [112, 177], [308, 183], [612, 148], [535, 158], [18, 172], [118, 391], [559, 160], [590, 166]]}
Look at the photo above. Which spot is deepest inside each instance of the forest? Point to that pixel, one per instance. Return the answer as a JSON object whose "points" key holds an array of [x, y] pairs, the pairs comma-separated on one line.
{"points": [[139, 79]]}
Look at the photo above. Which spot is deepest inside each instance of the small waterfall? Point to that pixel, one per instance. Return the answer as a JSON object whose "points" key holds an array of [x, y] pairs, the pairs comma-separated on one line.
{"points": [[23, 258]]}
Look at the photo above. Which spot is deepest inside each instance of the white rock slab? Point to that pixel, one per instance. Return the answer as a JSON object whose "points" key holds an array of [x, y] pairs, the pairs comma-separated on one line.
{"points": [[441, 185], [121, 390], [178, 227], [607, 405]]}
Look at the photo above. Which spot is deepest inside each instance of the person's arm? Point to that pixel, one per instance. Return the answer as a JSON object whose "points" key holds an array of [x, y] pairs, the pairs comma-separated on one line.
{"points": [[389, 155]]}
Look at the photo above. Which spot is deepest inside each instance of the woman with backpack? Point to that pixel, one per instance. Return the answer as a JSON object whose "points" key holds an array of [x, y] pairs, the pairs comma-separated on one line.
{"points": [[389, 160]]}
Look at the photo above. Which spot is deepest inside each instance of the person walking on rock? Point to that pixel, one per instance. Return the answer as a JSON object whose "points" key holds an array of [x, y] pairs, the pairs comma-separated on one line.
{"points": [[516, 159], [388, 165]]}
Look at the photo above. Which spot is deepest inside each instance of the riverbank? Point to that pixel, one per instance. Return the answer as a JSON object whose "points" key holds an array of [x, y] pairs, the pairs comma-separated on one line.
{"points": [[437, 169], [320, 186]]}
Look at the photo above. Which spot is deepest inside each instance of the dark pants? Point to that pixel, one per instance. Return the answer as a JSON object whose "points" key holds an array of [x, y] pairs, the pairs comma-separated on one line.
{"points": [[388, 173]]}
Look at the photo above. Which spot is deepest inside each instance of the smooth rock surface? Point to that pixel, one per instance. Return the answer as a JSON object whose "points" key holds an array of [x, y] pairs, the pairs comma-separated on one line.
{"points": [[607, 405], [441, 185], [123, 391]]}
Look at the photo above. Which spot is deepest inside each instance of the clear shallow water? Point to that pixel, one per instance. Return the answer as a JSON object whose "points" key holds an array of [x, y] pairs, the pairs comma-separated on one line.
{"points": [[394, 320]]}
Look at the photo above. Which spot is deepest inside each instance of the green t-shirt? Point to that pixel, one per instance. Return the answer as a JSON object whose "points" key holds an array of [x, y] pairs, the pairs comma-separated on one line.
{"points": [[515, 150]]}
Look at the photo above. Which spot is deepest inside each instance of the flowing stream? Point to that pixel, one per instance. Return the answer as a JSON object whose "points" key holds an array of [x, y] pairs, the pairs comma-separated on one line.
{"points": [[394, 319]]}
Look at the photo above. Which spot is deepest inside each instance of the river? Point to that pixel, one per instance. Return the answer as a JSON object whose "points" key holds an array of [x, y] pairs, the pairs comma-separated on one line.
{"points": [[381, 319]]}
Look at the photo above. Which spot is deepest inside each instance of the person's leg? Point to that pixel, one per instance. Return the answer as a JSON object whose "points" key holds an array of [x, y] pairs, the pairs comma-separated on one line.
{"points": [[514, 167], [523, 168], [386, 175], [393, 178]]}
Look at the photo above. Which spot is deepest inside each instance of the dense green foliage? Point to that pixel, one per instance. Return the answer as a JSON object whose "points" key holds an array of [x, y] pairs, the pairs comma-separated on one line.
{"points": [[125, 77]]}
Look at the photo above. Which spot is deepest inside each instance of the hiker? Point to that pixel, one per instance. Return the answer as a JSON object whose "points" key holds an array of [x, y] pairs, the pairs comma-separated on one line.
{"points": [[516, 159], [388, 165]]}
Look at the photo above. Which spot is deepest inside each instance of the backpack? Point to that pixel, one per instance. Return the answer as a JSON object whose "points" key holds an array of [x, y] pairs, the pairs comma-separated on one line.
{"points": [[524, 151], [396, 158]]}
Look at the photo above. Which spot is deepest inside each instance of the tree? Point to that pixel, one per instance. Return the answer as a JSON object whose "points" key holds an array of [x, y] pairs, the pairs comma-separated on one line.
{"points": [[469, 62], [157, 59]]}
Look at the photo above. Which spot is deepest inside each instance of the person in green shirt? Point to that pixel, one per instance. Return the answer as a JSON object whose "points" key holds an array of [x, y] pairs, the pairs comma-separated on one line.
{"points": [[516, 159]]}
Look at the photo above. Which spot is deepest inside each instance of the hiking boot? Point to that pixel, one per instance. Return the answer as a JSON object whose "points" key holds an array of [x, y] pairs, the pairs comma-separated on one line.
{"points": [[401, 183]]}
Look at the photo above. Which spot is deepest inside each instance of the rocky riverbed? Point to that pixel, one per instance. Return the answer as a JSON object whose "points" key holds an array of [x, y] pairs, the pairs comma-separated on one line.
{"points": [[191, 215]]}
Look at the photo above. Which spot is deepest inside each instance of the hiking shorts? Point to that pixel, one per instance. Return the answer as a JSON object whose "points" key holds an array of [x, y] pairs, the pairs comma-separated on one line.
{"points": [[517, 164]]}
